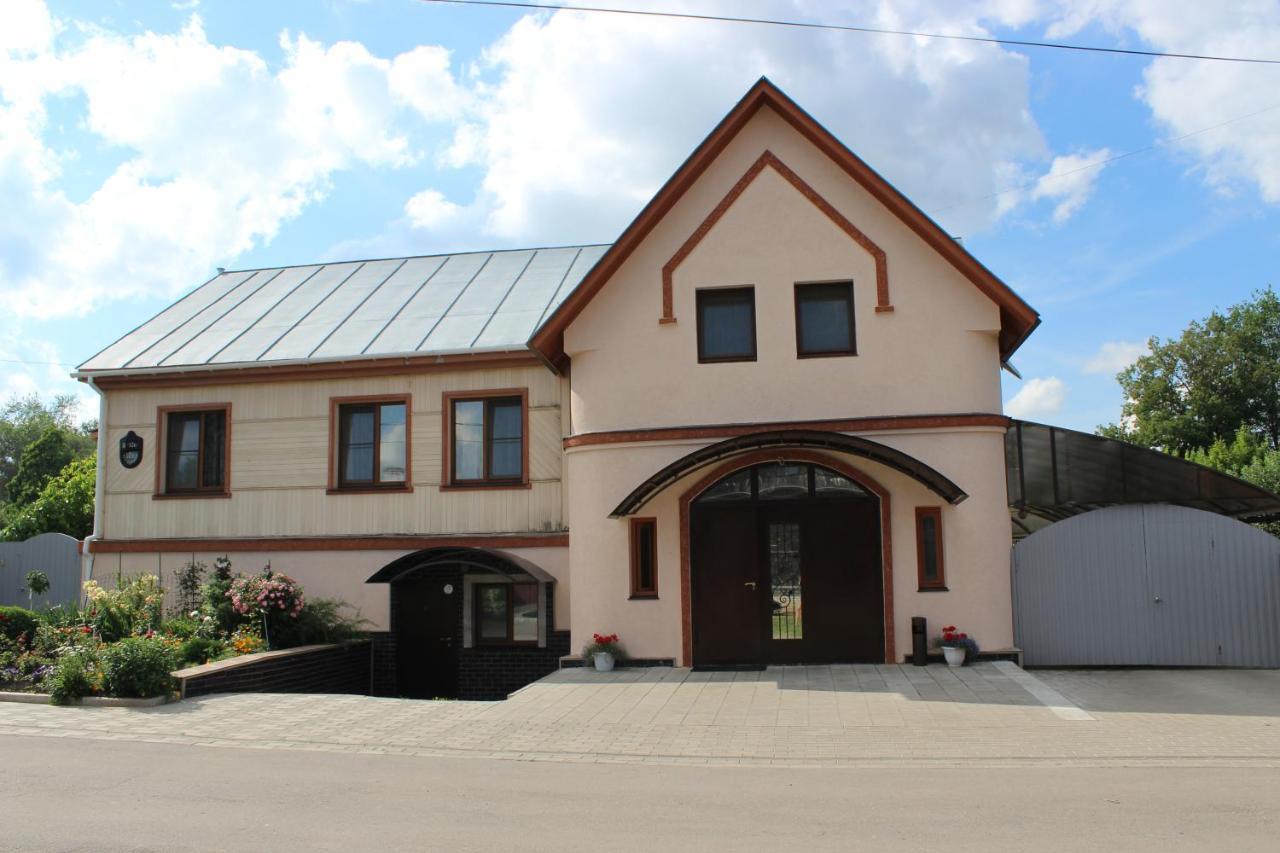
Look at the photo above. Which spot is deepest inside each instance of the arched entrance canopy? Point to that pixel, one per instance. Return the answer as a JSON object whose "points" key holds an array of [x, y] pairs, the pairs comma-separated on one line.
{"points": [[783, 439], [476, 558]]}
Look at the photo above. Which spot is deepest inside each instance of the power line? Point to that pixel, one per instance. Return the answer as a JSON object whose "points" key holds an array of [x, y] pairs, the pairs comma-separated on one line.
{"points": [[778, 22], [44, 363]]}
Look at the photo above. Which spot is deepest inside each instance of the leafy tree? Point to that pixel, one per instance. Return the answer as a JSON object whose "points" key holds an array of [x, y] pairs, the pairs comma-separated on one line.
{"points": [[37, 584], [64, 506], [1221, 374], [25, 419], [41, 461], [1232, 457]]}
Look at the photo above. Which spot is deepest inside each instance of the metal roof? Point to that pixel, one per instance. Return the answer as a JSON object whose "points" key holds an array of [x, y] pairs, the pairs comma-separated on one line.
{"points": [[433, 304], [1055, 473]]}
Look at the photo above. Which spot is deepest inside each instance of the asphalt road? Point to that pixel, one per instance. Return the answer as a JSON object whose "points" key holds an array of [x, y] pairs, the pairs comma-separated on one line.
{"points": [[93, 795]]}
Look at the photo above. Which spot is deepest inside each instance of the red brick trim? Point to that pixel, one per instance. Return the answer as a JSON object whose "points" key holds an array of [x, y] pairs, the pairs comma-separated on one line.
{"points": [[746, 461], [326, 543], [770, 160], [874, 424]]}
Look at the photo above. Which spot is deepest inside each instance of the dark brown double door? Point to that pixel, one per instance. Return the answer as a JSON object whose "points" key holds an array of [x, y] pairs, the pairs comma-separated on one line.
{"points": [[788, 581]]}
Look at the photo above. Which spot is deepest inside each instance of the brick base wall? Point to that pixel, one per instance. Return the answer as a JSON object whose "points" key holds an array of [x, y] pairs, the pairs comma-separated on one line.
{"points": [[496, 672], [320, 669]]}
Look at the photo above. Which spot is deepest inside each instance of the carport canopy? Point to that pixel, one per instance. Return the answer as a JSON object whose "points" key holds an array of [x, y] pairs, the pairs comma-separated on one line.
{"points": [[1055, 473], [473, 558]]}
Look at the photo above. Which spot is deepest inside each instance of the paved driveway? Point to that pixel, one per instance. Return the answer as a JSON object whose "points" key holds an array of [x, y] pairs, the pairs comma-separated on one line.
{"points": [[988, 715]]}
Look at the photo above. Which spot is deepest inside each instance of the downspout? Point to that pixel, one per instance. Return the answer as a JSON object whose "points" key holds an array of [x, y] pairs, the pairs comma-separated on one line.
{"points": [[100, 476]]}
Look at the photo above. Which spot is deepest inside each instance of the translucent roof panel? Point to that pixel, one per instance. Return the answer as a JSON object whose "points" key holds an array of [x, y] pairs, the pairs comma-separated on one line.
{"points": [[359, 309], [143, 337], [264, 332]]}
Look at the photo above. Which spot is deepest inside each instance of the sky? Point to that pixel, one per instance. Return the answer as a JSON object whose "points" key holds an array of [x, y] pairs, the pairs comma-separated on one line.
{"points": [[145, 144]]}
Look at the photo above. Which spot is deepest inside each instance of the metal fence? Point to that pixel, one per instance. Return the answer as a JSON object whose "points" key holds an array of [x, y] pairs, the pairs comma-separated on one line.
{"points": [[55, 554], [1148, 585]]}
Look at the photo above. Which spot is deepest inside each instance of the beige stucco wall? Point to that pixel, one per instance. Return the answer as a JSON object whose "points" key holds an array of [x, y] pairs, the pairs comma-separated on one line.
{"points": [[936, 352], [324, 574], [976, 539], [280, 459]]}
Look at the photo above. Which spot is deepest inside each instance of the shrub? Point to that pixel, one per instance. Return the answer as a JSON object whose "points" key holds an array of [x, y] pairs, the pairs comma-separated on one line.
{"points": [[72, 678], [198, 650], [270, 598], [135, 606], [190, 578], [138, 667], [180, 627], [16, 621], [217, 603], [321, 620]]}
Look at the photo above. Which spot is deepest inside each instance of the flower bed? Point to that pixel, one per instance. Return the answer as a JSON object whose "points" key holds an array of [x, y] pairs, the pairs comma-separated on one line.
{"points": [[119, 643]]}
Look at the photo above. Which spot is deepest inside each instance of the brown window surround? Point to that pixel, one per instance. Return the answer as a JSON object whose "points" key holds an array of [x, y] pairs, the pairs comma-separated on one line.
{"points": [[163, 491], [340, 486], [644, 558], [930, 570], [482, 591], [449, 479], [724, 296], [826, 292]]}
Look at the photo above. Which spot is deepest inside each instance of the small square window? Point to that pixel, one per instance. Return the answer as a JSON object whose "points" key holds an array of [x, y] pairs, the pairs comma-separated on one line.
{"points": [[506, 613], [824, 319], [726, 324], [487, 440]]}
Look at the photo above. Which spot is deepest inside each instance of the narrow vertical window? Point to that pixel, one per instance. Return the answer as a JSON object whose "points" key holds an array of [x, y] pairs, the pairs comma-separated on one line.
{"points": [[487, 441], [929, 548], [726, 324], [372, 444], [824, 319], [644, 558], [195, 450]]}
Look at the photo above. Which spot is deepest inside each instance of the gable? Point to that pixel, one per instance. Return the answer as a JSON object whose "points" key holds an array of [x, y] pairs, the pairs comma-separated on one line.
{"points": [[1017, 318]]}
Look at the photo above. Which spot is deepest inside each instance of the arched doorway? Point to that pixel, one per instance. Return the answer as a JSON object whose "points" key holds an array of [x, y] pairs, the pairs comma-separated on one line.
{"points": [[786, 567], [469, 623]]}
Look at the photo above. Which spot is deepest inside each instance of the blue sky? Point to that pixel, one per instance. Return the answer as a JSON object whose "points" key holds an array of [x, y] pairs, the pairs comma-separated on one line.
{"points": [[144, 144]]}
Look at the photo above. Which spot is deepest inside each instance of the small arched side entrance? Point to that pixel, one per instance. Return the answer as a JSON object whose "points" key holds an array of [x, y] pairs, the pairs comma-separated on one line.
{"points": [[469, 623], [787, 562]]}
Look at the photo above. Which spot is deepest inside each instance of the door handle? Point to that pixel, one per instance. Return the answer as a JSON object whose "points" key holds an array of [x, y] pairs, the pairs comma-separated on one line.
{"points": [[750, 584], [1158, 600]]}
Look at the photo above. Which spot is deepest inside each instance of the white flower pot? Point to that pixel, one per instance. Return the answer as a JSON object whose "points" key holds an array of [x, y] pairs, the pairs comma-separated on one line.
{"points": [[604, 661], [954, 655]]}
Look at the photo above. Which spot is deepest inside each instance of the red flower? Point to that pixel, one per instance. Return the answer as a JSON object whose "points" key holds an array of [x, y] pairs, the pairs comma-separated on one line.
{"points": [[964, 636], [87, 630]]}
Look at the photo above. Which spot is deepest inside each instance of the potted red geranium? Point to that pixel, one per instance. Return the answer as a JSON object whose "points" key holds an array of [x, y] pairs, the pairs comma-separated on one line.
{"points": [[956, 646], [603, 651]]}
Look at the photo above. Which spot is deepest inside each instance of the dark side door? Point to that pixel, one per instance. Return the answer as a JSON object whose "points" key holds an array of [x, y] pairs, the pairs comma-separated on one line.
{"points": [[428, 624]]}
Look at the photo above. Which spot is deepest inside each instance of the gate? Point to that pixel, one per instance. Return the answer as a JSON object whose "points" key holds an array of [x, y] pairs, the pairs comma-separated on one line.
{"points": [[1148, 585], [55, 554]]}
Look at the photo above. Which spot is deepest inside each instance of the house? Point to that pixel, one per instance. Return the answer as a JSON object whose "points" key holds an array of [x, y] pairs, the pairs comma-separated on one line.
{"points": [[763, 426]]}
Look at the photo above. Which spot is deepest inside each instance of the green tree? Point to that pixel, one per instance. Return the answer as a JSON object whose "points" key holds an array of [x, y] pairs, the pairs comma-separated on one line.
{"points": [[1220, 375], [24, 419], [65, 505], [41, 461]]}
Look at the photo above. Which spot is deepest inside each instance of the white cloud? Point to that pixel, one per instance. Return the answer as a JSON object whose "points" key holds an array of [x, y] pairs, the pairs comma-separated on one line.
{"points": [[1037, 398], [220, 150], [1069, 182], [430, 210], [1186, 96], [1114, 356], [581, 117]]}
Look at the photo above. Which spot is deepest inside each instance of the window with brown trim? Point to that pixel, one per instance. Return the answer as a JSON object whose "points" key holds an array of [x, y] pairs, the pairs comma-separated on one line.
{"points": [[824, 319], [196, 454], [505, 613], [929, 565], [644, 558], [726, 324], [371, 446], [488, 441]]}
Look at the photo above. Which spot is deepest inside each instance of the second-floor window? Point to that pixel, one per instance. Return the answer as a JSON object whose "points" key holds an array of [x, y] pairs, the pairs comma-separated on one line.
{"points": [[195, 449], [487, 440], [824, 319], [373, 444], [726, 324]]}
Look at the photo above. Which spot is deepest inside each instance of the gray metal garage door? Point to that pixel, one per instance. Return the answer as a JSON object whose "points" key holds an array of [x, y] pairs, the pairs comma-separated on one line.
{"points": [[1148, 585]]}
